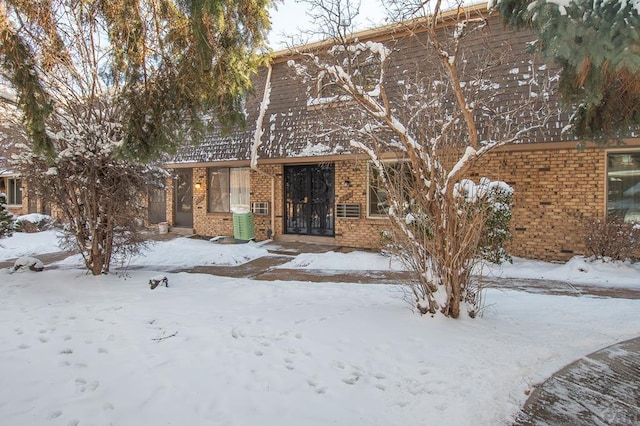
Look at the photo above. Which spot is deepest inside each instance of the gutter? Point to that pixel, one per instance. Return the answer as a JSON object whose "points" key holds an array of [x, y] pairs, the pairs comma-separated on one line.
{"points": [[257, 140]]}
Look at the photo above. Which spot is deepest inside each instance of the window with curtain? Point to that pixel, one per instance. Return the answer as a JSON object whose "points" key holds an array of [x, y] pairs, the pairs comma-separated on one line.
{"points": [[228, 189]]}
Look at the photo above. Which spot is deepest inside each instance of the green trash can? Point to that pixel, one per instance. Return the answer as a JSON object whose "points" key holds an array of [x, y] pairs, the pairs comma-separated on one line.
{"points": [[243, 228]]}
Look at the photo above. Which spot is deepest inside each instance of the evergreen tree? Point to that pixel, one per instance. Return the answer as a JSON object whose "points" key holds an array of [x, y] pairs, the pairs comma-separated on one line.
{"points": [[6, 218], [597, 44], [170, 62]]}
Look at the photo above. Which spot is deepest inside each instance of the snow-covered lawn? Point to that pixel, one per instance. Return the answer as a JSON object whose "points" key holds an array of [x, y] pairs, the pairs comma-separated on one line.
{"points": [[22, 244], [77, 349]]}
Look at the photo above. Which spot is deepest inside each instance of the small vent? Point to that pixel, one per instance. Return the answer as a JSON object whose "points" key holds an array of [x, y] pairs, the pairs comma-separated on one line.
{"points": [[260, 208], [348, 211]]}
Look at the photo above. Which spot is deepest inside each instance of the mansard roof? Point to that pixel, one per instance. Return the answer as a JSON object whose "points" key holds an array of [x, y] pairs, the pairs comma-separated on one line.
{"points": [[292, 125]]}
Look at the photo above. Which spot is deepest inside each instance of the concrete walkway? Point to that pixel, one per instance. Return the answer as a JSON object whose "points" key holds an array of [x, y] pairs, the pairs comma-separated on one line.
{"points": [[602, 388]]}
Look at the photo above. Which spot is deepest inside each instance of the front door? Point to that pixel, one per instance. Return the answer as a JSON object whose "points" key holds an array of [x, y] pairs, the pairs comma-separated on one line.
{"points": [[183, 196], [309, 198]]}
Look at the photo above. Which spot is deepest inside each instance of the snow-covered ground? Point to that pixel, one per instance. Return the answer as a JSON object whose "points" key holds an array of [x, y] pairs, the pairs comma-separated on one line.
{"points": [[77, 349]]}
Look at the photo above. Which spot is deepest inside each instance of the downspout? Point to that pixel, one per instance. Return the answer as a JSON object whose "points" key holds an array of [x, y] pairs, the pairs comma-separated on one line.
{"points": [[257, 140]]}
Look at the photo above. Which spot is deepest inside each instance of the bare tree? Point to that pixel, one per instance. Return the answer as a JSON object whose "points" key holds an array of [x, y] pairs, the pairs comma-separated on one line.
{"points": [[438, 115]]}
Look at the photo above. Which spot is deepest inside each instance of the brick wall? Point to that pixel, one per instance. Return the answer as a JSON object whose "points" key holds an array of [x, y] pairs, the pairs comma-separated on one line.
{"points": [[261, 192], [170, 201], [363, 232], [214, 224], [555, 192]]}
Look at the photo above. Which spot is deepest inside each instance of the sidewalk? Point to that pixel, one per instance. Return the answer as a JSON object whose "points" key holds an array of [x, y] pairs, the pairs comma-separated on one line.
{"points": [[602, 388]]}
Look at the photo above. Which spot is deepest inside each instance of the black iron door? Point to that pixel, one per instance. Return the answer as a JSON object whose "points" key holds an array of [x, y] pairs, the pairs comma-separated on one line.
{"points": [[309, 197]]}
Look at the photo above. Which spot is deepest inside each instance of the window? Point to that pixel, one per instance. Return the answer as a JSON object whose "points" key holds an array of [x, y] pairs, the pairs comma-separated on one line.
{"points": [[327, 88], [623, 176], [12, 187], [399, 177], [228, 189], [365, 74]]}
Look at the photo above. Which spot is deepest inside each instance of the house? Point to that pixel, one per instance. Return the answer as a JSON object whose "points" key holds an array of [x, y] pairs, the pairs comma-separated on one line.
{"points": [[20, 200], [11, 183], [311, 185]]}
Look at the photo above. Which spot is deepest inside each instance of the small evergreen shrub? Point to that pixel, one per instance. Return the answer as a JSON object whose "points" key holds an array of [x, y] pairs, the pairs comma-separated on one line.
{"points": [[494, 199], [498, 225], [612, 238], [7, 224]]}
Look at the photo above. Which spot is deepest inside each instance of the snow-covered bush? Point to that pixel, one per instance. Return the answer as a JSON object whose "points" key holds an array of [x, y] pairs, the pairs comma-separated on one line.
{"points": [[33, 222], [7, 224], [612, 238], [496, 197]]}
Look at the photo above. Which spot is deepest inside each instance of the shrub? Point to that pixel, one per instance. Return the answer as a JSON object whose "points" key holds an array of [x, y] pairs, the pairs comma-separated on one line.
{"points": [[612, 238], [33, 223], [497, 227], [7, 224]]}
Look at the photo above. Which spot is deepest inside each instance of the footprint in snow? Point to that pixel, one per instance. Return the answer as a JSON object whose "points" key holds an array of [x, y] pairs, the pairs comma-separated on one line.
{"points": [[351, 380], [23, 346], [55, 414], [82, 385], [339, 364], [314, 385]]}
